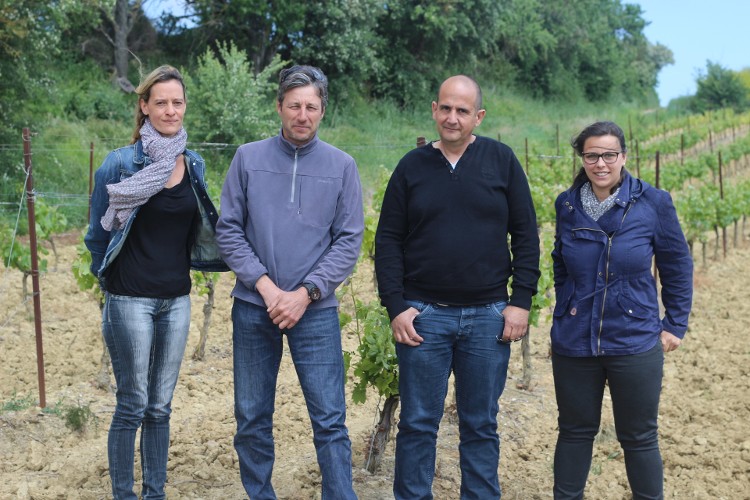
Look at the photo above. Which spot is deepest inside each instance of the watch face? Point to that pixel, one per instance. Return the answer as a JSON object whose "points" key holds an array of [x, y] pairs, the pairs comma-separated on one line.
{"points": [[313, 292]]}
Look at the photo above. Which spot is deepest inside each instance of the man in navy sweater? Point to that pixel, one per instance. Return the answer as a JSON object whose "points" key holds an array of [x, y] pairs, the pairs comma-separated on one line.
{"points": [[443, 265]]}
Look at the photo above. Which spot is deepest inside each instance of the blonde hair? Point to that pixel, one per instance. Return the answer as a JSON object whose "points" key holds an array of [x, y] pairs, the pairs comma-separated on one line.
{"points": [[161, 74]]}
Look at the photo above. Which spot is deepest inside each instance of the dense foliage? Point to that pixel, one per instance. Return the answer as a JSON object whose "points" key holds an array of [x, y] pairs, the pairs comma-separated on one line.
{"points": [[719, 88], [228, 103], [400, 49]]}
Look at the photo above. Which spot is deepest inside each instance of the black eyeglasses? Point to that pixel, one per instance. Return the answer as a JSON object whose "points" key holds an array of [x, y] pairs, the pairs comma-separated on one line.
{"points": [[593, 158]]}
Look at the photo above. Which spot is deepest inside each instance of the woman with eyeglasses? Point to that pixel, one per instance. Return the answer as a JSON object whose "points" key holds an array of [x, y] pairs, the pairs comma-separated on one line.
{"points": [[607, 327]]}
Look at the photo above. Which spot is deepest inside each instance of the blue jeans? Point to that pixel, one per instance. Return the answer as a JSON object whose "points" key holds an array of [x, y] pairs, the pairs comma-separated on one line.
{"points": [[146, 340], [635, 386], [461, 339], [315, 345]]}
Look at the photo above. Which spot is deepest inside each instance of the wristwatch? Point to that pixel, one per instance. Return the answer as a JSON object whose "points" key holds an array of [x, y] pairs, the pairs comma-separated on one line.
{"points": [[313, 292]]}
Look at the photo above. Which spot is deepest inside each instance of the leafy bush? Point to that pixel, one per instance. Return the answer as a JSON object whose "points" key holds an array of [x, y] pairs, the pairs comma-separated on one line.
{"points": [[719, 88], [17, 403], [228, 103], [78, 417]]}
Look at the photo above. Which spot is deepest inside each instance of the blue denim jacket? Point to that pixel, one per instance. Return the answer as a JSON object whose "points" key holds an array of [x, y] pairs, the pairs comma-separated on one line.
{"points": [[606, 296], [106, 245]]}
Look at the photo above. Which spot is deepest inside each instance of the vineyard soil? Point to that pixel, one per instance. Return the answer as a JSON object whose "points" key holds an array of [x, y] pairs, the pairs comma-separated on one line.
{"points": [[705, 411]]}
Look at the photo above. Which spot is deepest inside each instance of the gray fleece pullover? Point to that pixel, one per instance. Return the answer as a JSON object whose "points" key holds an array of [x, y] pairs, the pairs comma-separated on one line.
{"points": [[294, 213]]}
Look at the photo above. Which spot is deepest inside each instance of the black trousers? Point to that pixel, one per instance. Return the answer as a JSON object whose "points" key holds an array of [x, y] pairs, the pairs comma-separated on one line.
{"points": [[635, 386]]}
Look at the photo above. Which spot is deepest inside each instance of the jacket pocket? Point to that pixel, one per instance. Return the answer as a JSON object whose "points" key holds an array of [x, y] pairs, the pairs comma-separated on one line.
{"points": [[563, 296], [318, 200], [633, 309]]}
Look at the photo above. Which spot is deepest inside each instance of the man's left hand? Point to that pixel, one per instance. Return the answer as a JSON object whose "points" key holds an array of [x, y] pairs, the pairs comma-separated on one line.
{"points": [[516, 323], [288, 307]]}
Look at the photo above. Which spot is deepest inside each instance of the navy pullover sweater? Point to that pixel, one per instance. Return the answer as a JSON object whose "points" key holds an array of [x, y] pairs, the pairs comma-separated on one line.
{"points": [[443, 233]]}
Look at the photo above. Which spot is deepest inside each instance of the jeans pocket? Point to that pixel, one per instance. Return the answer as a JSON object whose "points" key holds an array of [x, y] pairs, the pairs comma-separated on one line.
{"points": [[498, 307], [424, 308]]}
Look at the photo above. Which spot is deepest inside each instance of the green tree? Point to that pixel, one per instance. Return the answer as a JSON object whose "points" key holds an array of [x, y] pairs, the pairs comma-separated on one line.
{"points": [[744, 76], [339, 37], [228, 102], [719, 88], [422, 42], [32, 34], [259, 28], [592, 49]]}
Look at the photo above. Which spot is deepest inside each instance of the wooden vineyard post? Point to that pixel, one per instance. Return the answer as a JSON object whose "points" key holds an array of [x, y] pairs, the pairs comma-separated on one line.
{"points": [[34, 264], [721, 196], [637, 161], [91, 178], [682, 149], [526, 141], [657, 167]]}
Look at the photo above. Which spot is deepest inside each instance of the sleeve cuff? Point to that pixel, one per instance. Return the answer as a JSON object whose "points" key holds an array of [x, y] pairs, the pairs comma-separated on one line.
{"points": [[395, 305], [677, 331], [521, 297]]}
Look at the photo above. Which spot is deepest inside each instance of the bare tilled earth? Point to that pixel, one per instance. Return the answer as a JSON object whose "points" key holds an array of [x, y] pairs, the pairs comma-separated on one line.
{"points": [[705, 412]]}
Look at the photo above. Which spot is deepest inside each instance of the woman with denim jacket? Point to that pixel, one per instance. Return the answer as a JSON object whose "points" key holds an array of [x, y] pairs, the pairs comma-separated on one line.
{"points": [[607, 328], [151, 222]]}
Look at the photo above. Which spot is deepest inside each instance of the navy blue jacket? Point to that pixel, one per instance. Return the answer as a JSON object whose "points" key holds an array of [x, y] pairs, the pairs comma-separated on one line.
{"points": [[606, 297]]}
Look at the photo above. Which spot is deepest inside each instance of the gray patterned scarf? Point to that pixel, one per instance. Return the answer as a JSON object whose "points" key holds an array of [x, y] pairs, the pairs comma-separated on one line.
{"points": [[592, 205], [134, 191]]}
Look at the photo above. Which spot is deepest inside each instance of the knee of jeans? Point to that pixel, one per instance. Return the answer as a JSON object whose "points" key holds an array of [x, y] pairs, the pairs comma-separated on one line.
{"points": [[128, 416], [639, 441], [578, 431], [156, 414]]}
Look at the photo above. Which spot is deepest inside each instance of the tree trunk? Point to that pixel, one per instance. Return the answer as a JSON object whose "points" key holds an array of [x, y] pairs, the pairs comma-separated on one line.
{"points": [[718, 243], [381, 435], [525, 383], [54, 251], [27, 297], [122, 26], [208, 307]]}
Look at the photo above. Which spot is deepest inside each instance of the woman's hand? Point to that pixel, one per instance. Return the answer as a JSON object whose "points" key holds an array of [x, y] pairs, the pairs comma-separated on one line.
{"points": [[669, 342]]}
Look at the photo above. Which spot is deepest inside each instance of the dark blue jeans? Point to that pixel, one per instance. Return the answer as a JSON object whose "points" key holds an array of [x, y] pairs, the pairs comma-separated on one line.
{"points": [[462, 340], [315, 346], [146, 340], [635, 386]]}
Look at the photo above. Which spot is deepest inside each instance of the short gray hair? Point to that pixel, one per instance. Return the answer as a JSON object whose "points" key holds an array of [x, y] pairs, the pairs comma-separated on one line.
{"points": [[302, 76]]}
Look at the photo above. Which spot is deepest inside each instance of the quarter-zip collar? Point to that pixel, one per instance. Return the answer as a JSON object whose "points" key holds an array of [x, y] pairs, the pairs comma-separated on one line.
{"points": [[296, 152], [292, 149]]}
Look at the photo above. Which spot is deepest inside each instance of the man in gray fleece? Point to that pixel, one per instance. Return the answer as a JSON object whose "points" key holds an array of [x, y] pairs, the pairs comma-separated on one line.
{"points": [[290, 228]]}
